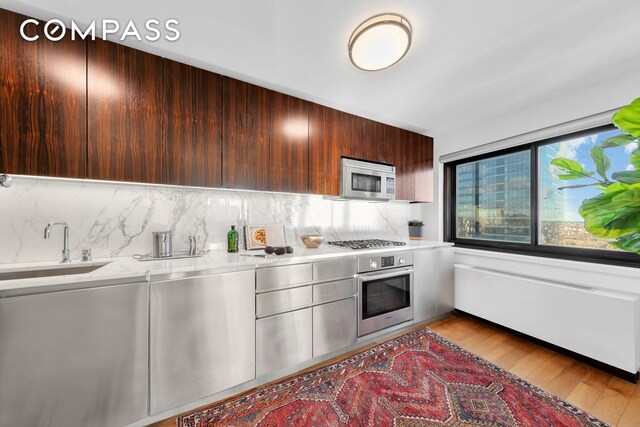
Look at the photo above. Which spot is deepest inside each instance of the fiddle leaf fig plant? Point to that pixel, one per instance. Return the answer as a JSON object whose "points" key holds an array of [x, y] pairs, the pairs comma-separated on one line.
{"points": [[615, 212]]}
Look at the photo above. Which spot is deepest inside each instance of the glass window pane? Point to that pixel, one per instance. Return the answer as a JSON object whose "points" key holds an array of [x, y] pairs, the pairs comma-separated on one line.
{"points": [[493, 198], [560, 223]]}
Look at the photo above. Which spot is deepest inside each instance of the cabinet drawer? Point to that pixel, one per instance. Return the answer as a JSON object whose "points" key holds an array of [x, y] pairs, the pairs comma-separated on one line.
{"points": [[282, 301], [335, 326], [334, 291], [283, 341], [334, 269], [283, 276]]}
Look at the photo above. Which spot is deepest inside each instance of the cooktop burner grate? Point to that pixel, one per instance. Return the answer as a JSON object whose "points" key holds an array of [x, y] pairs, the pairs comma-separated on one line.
{"points": [[366, 244]]}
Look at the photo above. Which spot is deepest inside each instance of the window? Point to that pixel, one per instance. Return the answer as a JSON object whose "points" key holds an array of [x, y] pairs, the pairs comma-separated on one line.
{"points": [[560, 223], [519, 200], [493, 198]]}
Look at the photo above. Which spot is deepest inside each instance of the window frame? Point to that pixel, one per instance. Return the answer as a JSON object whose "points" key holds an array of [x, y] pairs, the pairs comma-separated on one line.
{"points": [[533, 248]]}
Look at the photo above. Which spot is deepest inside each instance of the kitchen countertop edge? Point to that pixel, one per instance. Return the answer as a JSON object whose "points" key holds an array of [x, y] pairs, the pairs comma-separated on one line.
{"points": [[122, 270]]}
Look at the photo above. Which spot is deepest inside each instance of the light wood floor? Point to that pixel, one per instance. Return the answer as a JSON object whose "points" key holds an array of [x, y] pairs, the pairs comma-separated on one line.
{"points": [[611, 399]]}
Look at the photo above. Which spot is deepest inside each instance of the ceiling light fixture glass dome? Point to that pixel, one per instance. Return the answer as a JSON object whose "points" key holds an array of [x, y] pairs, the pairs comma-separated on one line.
{"points": [[379, 42]]}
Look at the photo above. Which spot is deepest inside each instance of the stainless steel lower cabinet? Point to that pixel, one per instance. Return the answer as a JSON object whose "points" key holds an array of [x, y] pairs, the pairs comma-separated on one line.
{"points": [[202, 336], [283, 340], [335, 326], [74, 358]]}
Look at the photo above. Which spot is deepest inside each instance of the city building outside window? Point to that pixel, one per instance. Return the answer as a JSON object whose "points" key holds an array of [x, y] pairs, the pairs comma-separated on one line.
{"points": [[494, 198]]}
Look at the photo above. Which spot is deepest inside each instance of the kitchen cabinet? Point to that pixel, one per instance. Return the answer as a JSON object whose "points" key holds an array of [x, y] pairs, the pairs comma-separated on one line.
{"points": [[414, 166], [334, 134], [101, 110], [125, 112], [419, 172], [192, 127], [330, 131], [283, 340], [246, 135], [433, 283], [73, 358], [288, 143], [335, 326], [284, 317], [335, 309], [202, 336], [42, 102]]}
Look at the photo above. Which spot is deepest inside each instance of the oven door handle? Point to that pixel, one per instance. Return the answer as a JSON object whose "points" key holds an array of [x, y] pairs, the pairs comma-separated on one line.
{"points": [[385, 273]]}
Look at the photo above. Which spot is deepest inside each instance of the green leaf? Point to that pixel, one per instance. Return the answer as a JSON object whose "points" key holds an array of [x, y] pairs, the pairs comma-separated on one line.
{"points": [[618, 141], [628, 118], [593, 184], [634, 160], [629, 242], [614, 213], [601, 161], [627, 177], [570, 168]]}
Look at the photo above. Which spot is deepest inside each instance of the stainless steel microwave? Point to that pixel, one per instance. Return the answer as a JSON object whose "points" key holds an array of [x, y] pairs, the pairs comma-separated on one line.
{"points": [[367, 180]]}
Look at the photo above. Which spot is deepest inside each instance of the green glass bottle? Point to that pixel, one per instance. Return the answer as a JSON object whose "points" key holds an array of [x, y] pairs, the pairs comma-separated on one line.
{"points": [[232, 240]]}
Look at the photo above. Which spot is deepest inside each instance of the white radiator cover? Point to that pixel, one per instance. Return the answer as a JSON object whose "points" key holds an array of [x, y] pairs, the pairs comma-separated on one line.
{"points": [[601, 324]]}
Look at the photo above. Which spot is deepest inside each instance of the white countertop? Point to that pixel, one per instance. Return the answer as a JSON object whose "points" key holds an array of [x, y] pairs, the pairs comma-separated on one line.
{"points": [[129, 270]]}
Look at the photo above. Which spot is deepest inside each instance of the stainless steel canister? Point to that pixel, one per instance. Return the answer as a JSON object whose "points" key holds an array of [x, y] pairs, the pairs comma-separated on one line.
{"points": [[162, 244]]}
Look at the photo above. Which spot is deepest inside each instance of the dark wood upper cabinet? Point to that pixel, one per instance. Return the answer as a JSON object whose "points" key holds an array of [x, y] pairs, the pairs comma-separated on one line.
{"points": [[405, 184], [245, 136], [126, 109], [193, 126], [328, 132], [422, 155], [101, 110], [334, 134], [414, 166], [42, 102], [288, 143]]}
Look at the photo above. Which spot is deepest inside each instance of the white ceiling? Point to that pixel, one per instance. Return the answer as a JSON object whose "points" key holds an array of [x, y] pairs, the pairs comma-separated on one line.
{"points": [[477, 71]]}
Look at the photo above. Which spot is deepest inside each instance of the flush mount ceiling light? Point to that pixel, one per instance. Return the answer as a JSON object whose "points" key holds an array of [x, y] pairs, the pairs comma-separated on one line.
{"points": [[379, 42]]}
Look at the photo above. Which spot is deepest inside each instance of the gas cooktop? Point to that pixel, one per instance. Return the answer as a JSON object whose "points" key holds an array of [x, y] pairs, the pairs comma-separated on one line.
{"points": [[366, 244]]}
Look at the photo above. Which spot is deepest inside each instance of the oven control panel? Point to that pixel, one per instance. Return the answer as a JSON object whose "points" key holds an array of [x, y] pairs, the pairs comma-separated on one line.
{"points": [[384, 261], [387, 261]]}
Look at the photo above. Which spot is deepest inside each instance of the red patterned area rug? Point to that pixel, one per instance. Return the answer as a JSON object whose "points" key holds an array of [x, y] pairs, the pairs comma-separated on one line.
{"points": [[417, 379]]}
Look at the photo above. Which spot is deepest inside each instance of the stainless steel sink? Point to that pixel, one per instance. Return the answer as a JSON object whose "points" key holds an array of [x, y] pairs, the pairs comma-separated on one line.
{"points": [[54, 270]]}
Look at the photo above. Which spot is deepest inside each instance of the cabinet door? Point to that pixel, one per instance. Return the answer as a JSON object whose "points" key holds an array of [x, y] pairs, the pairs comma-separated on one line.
{"points": [[424, 284], [444, 292], [334, 134], [202, 337], [335, 326], [421, 153], [193, 126], [433, 283], [246, 136], [327, 143], [42, 102], [414, 166], [125, 113], [283, 341], [288, 143], [74, 358]]}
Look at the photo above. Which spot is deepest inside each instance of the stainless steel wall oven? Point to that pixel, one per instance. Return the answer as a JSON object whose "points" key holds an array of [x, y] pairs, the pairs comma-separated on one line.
{"points": [[385, 291]]}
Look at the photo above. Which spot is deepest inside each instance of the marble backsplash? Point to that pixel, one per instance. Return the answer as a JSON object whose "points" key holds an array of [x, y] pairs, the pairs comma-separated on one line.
{"points": [[116, 219]]}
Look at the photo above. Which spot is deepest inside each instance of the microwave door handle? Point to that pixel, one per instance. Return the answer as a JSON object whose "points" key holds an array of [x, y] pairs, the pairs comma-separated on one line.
{"points": [[386, 274]]}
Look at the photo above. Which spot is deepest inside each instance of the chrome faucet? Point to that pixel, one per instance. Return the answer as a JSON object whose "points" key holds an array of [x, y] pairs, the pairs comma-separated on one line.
{"points": [[65, 248]]}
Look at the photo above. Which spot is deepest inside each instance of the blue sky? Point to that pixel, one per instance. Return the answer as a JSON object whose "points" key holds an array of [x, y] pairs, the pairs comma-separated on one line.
{"points": [[578, 150]]}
